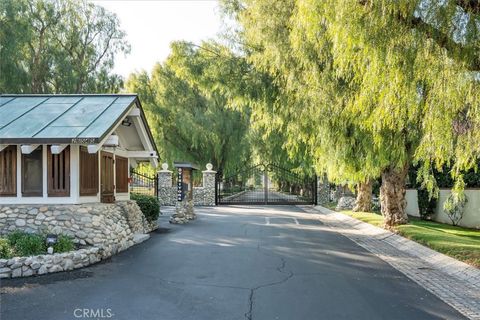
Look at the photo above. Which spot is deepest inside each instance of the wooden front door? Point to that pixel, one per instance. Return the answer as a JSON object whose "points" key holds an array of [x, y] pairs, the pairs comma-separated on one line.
{"points": [[107, 183]]}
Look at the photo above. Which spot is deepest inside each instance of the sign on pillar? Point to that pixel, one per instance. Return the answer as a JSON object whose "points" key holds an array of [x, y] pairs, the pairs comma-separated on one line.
{"points": [[184, 208], [180, 193]]}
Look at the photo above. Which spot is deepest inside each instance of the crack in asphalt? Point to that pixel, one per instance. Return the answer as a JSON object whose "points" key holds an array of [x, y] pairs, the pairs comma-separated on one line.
{"points": [[248, 315], [251, 298], [281, 269]]}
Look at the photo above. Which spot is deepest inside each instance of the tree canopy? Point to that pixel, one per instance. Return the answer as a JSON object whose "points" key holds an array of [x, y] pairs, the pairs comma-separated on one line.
{"points": [[58, 47], [370, 86], [355, 89], [190, 100]]}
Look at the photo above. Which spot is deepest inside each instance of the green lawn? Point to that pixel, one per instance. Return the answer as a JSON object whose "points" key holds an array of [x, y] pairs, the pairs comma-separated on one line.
{"points": [[460, 243]]}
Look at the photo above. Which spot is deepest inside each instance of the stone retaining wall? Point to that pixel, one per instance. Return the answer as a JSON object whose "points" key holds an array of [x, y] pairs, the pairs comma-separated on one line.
{"points": [[49, 263], [107, 226]]}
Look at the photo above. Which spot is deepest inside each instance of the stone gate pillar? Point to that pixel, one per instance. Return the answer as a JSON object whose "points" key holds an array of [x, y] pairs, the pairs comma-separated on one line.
{"points": [[323, 190], [209, 185], [166, 192]]}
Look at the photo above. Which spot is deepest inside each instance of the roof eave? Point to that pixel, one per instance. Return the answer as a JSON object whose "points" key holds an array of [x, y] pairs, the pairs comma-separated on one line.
{"points": [[147, 126], [79, 141]]}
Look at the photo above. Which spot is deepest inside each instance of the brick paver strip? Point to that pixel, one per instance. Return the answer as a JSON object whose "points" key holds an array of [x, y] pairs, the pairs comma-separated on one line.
{"points": [[453, 281]]}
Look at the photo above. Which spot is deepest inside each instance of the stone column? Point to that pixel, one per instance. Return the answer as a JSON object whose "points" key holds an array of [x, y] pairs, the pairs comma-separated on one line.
{"points": [[209, 185], [323, 190], [166, 194], [187, 203]]}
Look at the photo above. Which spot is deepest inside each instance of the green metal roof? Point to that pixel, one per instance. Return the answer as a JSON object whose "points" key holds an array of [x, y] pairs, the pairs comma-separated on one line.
{"points": [[61, 118]]}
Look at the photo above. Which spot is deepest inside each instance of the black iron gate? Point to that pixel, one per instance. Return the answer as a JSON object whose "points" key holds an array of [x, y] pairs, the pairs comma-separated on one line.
{"points": [[266, 185], [143, 183]]}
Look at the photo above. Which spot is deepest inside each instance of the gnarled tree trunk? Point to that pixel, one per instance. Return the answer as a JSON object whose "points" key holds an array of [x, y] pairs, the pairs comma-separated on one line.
{"points": [[364, 197], [392, 196]]}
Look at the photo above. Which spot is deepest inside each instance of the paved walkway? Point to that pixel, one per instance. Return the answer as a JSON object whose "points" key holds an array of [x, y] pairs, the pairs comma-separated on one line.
{"points": [[232, 263], [455, 282]]}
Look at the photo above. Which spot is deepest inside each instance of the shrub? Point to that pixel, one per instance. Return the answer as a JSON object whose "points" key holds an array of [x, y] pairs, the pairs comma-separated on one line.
{"points": [[426, 203], [6, 250], [376, 205], [148, 204], [454, 206], [64, 244], [21, 243], [15, 236], [30, 245]]}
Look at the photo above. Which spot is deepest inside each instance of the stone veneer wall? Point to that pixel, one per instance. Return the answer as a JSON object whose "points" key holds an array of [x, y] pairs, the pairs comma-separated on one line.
{"points": [[167, 196], [109, 227], [323, 190], [202, 196], [49, 263], [167, 193], [205, 195]]}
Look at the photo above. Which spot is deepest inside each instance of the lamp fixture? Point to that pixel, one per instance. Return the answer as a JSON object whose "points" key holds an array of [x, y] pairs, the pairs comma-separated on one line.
{"points": [[126, 122]]}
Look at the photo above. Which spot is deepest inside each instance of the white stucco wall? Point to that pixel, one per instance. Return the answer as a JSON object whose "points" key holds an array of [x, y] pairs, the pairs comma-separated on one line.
{"points": [[412, 203], [471, 216]]}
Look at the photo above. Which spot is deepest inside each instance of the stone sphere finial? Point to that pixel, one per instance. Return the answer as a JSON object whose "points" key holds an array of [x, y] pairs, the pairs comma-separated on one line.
{"points": [[165, 166], [209, 166]]}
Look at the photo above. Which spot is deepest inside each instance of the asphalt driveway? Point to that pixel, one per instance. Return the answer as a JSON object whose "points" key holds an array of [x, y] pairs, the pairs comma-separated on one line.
{"points": [[231, 263]]}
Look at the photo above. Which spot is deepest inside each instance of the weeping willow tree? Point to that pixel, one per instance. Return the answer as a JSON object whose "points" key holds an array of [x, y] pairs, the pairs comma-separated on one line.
{"points": [[305, 112], [268, 138], [189, 99], [53, 46], [371, 86]]}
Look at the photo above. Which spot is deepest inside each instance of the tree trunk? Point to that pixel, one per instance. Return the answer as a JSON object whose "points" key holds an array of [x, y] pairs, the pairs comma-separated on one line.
{"points": [[392, 196], [364, 197]]}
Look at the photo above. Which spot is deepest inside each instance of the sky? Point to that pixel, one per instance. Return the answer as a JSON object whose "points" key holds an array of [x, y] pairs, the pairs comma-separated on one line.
{"points": [[152, 25]]}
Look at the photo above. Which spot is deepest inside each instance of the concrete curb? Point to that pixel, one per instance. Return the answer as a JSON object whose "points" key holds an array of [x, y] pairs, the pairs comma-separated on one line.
{"points": [[453, 281]]}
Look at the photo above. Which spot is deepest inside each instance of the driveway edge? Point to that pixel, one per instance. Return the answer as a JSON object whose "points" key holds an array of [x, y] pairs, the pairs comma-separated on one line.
{"points": [[455, 282]]}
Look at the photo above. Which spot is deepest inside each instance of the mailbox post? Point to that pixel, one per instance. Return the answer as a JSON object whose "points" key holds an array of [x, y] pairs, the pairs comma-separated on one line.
{"points": [[184, 204]]}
